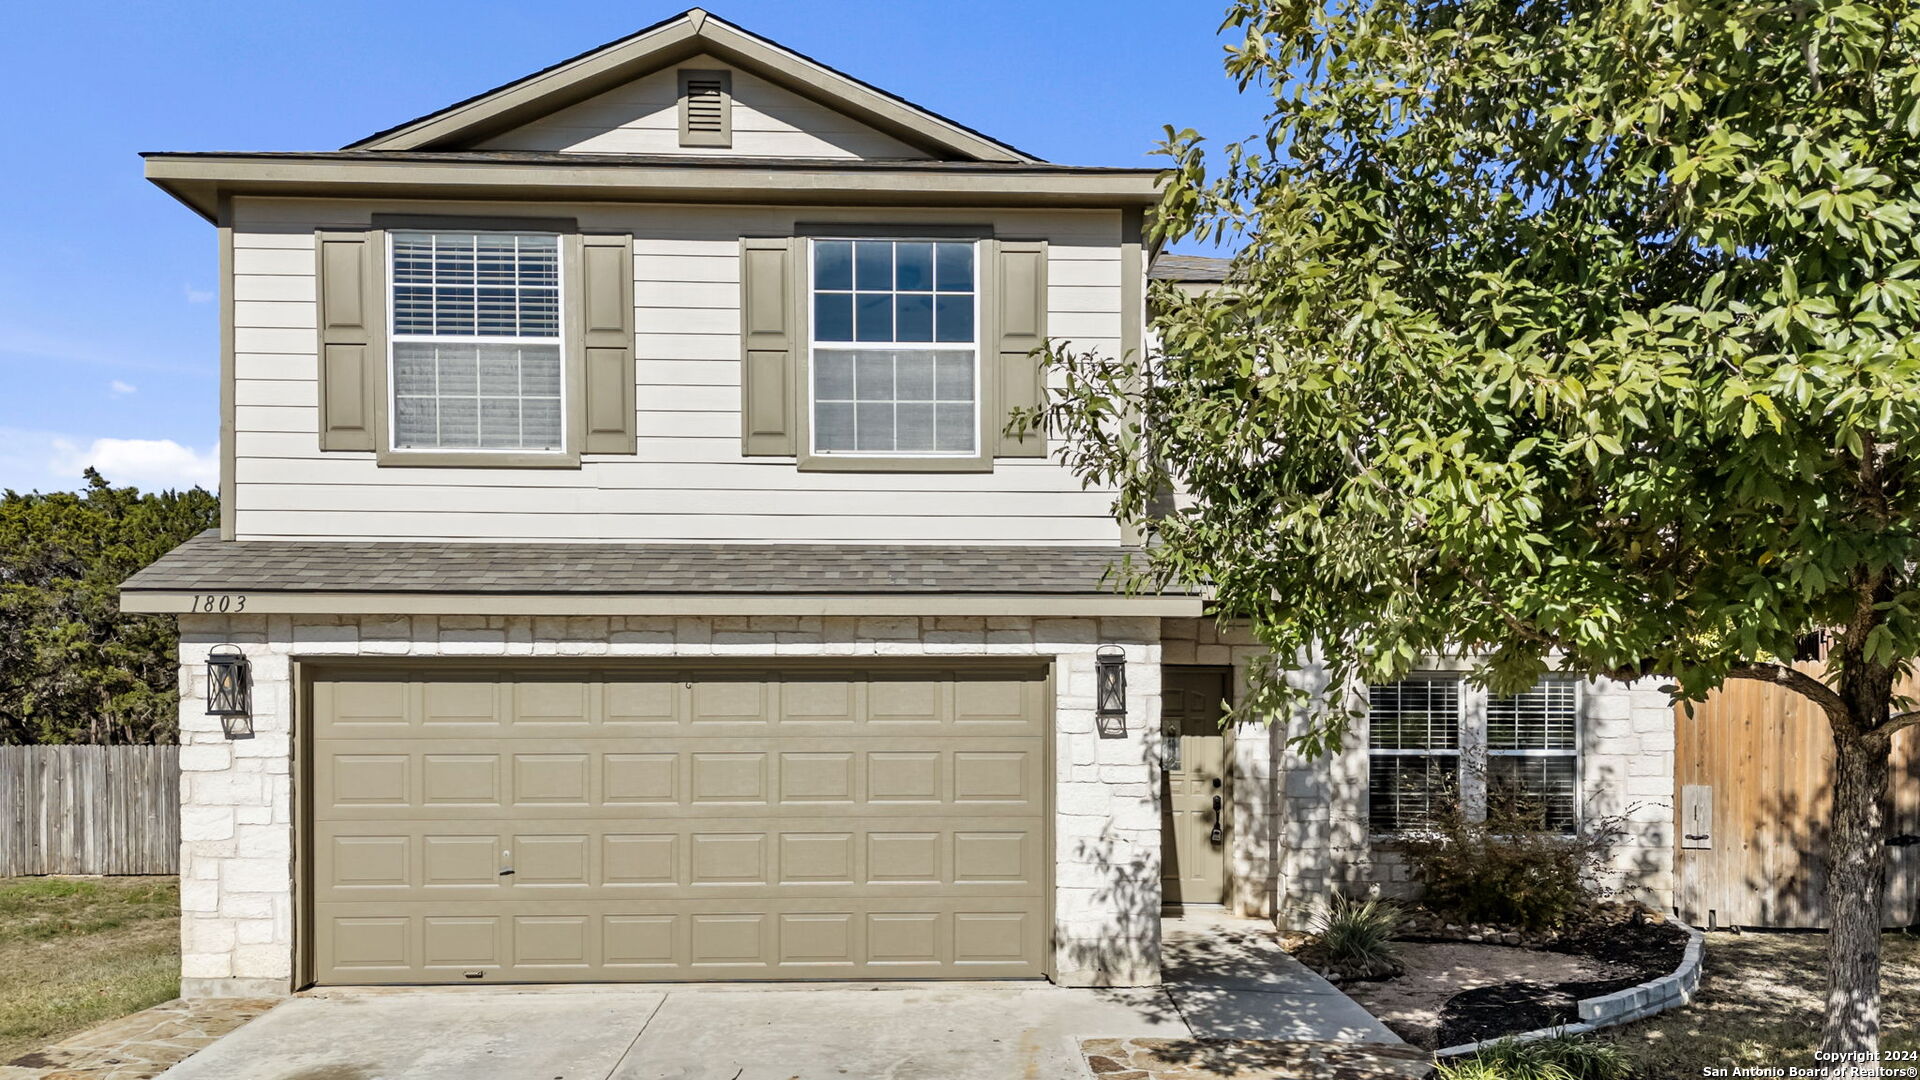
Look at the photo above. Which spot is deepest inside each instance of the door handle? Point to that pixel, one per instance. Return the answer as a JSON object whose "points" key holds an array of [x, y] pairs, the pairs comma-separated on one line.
{"points": [[1217, 816]]}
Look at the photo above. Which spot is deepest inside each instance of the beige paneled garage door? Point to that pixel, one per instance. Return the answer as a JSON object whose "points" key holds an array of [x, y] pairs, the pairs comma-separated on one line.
{"points": [[567, 825]]}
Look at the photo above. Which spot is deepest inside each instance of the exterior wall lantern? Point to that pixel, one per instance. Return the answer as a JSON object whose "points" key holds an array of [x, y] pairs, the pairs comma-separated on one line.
{"points": [[1110, 696], [230, 690]]}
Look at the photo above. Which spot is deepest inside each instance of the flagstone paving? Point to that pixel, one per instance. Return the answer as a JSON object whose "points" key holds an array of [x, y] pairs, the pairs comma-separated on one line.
{"points": [[137, 1047]]}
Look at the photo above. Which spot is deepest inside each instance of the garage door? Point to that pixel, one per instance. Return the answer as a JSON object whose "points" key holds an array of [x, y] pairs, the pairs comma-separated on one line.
{"points": [[565, 825]]}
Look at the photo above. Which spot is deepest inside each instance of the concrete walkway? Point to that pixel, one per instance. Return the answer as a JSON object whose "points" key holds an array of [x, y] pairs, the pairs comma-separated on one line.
{"points": [[1231, 979], [1226, 980]]}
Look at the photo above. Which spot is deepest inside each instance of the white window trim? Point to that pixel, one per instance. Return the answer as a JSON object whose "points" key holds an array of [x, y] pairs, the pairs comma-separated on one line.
{"points": [[814, 343], [559, 340], [1473, 755]]}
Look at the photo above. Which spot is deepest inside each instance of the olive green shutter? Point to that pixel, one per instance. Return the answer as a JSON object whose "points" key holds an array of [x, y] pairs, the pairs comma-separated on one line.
{"points": [[769, 336], [606, 291], [350, 338], [1020, 324]]}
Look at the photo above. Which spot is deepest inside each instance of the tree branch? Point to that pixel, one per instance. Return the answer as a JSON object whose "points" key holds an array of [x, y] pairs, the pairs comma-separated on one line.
{"points": [[1797, 681], [1899, 721]]}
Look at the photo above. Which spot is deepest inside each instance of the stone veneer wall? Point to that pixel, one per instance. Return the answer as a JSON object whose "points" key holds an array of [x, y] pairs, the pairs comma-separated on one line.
{"points": [[237, 797], [1301, 828]]}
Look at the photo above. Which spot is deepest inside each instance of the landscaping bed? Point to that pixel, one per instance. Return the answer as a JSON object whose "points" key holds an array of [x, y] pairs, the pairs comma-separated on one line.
{"points": [[1461, 983]]}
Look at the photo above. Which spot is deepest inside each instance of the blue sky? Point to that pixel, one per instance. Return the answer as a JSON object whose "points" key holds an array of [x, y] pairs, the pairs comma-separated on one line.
{"points": [[108, 319]]}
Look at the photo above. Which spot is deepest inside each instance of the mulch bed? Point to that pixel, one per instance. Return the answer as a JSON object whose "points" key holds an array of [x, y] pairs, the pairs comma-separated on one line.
{"points": [[1629, 936]]}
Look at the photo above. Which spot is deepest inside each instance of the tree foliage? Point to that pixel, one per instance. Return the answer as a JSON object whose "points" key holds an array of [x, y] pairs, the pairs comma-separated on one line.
{"points": [[73, 669], [1588, 326], [1572, 331]]}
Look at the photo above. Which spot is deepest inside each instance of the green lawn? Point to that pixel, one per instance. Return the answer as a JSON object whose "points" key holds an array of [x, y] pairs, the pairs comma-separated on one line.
{"points": [[1761, 1004], [76, 951]]}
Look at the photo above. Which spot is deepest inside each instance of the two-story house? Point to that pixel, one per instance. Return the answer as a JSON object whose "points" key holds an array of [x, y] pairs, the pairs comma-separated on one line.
{"points": [[633, 574]]}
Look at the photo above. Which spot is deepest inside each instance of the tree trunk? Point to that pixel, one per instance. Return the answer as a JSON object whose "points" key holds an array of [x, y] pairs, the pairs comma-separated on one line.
{"points": [[1856, 886]]}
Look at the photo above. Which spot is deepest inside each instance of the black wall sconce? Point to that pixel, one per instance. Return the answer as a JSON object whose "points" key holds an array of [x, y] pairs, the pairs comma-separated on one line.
{"points": [[230, 690], [1110, 696]]}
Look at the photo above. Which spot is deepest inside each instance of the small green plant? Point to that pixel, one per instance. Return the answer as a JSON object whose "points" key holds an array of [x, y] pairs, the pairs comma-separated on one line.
{"points": [[1508, 868], [1558, 1057], [1358, 934]]}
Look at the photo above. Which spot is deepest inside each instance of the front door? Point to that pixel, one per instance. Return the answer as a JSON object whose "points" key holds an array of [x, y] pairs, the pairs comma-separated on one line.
{"points": [[1193, 796]]}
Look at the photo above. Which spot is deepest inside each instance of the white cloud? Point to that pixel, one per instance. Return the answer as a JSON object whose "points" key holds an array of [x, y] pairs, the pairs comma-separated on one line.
{"points": [[121, 389], [146, 463], [199, 296], [50, 461]]}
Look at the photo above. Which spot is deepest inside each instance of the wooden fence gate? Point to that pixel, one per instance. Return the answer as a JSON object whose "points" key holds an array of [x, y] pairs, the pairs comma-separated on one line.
{"points": [[1752, 774], [89, 810]]}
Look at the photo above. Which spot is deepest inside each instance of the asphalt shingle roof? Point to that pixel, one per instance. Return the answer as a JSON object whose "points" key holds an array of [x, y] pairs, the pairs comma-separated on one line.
{"points": [[1189, 268], [207, 563]]}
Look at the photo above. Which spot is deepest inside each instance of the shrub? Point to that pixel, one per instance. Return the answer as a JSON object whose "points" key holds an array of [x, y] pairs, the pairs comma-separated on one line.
{"points": [[1559, 1057], [1509, 868], [1358, 933]]}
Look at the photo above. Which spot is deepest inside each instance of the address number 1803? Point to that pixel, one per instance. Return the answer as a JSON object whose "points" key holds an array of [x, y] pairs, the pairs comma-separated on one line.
{"points": [[219, 603]]}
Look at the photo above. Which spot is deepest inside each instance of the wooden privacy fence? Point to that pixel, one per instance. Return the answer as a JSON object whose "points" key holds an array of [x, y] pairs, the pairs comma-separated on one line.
{"points": [[1752, 782], [89, 810]]}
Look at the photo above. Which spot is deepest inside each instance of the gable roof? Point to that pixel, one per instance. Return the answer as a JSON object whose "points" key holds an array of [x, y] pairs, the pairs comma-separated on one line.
{"points": [[690, 33]]}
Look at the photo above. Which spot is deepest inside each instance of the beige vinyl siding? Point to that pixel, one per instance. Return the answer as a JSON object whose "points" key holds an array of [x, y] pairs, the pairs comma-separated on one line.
{"points": [[688, 480], [643, 117]]}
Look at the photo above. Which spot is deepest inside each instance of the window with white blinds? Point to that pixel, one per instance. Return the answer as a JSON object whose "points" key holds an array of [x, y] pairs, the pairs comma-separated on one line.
{"points": [[1532, 751], [1413, 743], [895, 364], [476, 345], [1422, 731]]}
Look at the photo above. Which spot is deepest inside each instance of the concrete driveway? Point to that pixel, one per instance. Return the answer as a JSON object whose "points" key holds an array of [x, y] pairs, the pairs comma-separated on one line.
{"points": [[1221, 985]]}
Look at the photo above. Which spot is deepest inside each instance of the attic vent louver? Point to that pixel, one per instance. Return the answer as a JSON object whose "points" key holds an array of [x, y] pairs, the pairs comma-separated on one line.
{"points": [[706, 108]]}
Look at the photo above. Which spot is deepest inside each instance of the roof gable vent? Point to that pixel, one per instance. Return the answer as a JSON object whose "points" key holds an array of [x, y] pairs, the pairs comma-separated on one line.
{"points": [[706, 108]]}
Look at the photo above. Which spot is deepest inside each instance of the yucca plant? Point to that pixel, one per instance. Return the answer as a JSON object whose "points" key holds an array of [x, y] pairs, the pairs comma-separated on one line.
{"points": [[1358, 934]]}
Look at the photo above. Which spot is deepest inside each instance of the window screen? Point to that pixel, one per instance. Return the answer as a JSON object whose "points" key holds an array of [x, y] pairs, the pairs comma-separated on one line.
{"points": [[1413, 742], [895, 364], [476, 358]]}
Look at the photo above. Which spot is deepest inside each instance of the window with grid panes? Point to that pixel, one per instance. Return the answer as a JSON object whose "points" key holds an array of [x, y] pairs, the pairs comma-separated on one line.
{"points": [[1413, 751], [1416, 729], [1532, 752], [476, 358], [894, 360]]}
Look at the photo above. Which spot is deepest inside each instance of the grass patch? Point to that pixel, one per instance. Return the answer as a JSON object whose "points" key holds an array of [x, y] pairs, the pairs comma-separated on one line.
{"points": [[77, 951], [1761, 1005]]}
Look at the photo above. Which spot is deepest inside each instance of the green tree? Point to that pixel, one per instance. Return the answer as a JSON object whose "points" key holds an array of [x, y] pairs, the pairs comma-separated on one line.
{"points": [[1579, 331], [73, 669]]}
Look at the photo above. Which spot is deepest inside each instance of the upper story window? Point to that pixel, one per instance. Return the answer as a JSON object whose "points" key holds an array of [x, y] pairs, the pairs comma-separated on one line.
{"points": [[476, 341], [894, 351], [1437, 741]]}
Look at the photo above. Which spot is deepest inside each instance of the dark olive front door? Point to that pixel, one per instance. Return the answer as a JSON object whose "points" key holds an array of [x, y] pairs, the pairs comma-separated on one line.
{"points": [[1193, 797]]}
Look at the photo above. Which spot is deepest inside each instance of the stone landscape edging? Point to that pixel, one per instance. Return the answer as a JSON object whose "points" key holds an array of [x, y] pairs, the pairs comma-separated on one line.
{"points": [[1620, 1007]]}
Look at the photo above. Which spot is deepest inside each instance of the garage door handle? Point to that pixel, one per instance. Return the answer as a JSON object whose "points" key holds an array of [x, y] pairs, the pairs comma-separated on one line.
{"points": [[504, 873]]}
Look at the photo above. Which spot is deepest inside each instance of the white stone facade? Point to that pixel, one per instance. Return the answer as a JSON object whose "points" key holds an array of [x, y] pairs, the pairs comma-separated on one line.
{"points": [[1301, 825], [1298, 828], [237, 860]]}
